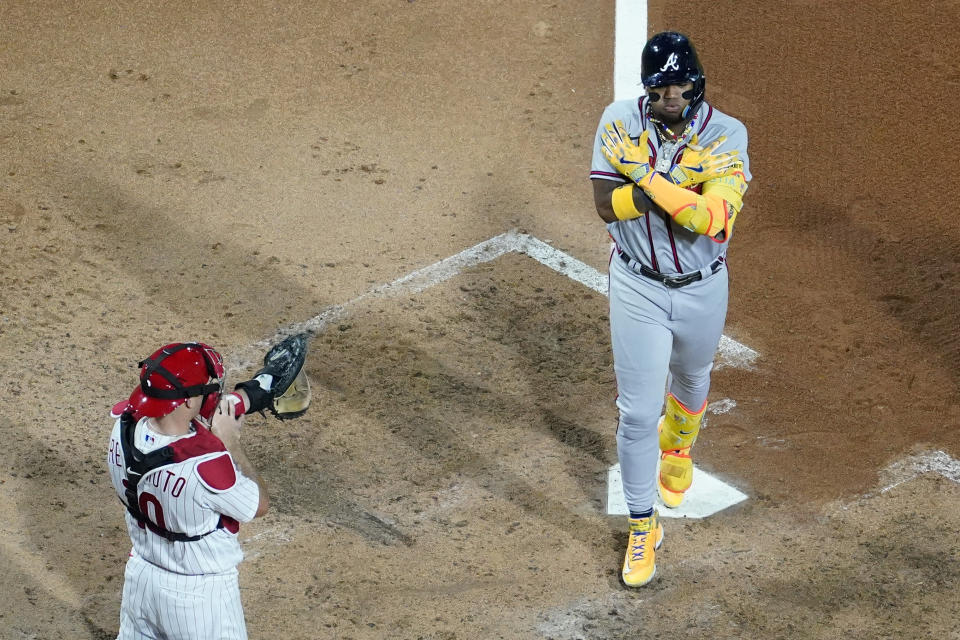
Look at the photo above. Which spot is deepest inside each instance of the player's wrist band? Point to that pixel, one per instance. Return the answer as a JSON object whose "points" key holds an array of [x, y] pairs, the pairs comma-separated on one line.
{"points": [[622, 201]]}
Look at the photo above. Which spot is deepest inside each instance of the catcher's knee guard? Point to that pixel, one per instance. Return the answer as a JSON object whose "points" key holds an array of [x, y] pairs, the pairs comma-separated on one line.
{"points": [[679, 429]]}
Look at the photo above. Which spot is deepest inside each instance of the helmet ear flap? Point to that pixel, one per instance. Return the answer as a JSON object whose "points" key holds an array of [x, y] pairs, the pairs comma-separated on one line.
{"points": [[214, 362], [210, 403]]}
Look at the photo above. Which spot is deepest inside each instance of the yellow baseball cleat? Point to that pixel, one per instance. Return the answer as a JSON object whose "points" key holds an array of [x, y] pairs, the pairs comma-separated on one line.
{"points": [[639, 564]]}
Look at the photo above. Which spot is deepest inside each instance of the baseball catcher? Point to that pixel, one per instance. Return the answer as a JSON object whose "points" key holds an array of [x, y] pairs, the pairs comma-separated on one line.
{"points": [[177, 464]]}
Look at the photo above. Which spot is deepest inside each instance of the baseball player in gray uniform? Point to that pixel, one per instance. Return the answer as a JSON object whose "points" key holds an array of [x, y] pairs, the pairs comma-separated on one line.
{"points": [[176, 464], [669, 173]]}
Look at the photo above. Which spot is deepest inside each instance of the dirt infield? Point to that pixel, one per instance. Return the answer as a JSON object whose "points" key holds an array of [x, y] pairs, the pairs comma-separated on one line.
{"points": [[172, 173]]}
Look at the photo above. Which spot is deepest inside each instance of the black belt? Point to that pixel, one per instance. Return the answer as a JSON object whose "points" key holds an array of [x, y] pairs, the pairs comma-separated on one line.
{"points": [[675, 281]]}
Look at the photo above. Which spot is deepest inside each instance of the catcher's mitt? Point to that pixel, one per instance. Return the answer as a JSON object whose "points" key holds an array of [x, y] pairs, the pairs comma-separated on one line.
{"points": [[289, 393]]}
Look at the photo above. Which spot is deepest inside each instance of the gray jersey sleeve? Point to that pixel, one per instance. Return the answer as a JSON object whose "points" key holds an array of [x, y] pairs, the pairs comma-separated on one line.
{"points": [[627, 112], [654, 239]]}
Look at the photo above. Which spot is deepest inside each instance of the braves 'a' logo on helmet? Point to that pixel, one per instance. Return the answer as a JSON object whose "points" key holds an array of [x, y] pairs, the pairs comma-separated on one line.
{"points": [[671, 63]]}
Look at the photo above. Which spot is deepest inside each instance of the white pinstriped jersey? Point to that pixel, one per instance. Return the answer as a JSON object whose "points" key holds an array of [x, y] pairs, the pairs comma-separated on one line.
{"points": [[655, 239], [199, 492]]}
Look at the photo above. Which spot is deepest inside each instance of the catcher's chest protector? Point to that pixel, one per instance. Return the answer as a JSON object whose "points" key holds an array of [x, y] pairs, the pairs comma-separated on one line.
{"points": [[139, 464]]}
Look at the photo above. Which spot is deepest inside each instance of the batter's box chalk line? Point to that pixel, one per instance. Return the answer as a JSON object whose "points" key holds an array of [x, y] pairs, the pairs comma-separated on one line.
{"points": [[729, 354], [708, 495], [913, 466]]}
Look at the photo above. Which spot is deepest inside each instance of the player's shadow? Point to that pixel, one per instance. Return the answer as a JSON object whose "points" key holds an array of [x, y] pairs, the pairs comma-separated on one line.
{"points": [[166, 255], [71, 544], [860, 320], [559, 330], [186, 271], [383, 370]]}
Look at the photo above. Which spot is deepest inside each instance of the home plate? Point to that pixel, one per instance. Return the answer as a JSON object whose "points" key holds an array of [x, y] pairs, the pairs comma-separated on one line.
{"points": [[706, 496]]}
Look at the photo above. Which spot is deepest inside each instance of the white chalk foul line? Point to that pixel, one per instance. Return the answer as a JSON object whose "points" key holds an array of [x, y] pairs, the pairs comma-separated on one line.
{"points": [[562, 263], [913, 466], [730, 352], [413, 282], [629, 37]]}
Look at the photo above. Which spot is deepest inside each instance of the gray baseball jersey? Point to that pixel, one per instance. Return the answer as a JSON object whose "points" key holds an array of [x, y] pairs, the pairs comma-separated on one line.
{"points": [[653, 239]]}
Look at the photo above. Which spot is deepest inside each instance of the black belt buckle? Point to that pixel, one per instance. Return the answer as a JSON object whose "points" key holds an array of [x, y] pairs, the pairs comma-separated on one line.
{"points": [[682, 281], [673, 282]]}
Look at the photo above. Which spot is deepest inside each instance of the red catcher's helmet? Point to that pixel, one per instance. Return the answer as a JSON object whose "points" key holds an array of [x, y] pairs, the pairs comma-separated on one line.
{"points": [[174, 373]]}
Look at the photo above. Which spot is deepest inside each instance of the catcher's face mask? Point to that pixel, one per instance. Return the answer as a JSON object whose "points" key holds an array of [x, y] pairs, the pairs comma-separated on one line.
{"points": [[176, 372]]}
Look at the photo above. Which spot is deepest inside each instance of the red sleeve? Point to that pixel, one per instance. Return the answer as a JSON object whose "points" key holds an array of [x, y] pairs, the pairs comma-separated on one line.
{"points": [[218, 473]]}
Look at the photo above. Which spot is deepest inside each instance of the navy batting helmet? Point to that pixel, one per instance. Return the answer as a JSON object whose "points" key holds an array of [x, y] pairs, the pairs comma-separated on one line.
{"points": [[669, 58]]}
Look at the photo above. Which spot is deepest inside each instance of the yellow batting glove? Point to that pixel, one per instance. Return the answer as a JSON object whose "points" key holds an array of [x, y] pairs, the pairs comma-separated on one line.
{"points": [[700, 164], [630, 158]]}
